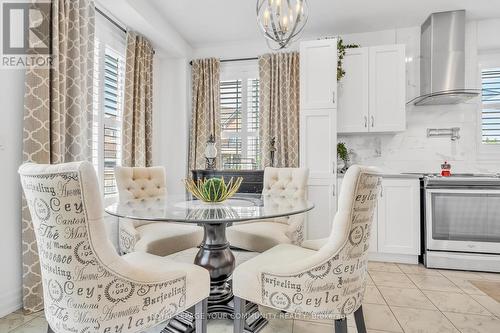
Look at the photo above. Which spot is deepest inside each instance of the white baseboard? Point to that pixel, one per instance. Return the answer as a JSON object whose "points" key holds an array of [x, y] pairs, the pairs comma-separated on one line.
{"points": [[10, 301], [390, 257]]}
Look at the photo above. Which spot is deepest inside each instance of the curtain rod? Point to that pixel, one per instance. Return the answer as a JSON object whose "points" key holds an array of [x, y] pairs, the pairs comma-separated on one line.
{"points": [[118, 25], [237, 59]]}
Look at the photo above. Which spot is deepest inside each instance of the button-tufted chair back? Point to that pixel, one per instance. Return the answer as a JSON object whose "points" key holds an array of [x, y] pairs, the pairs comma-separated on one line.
{"points": [[285, 182], [140, 182], [87, 286], [283, 186]]}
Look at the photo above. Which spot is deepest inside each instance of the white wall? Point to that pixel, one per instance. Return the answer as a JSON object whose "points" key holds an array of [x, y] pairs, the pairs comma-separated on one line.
{"points": [[171, 120], [11, 95]]}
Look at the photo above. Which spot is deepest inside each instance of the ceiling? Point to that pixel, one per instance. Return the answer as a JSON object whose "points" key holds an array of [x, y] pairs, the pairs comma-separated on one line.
{"points": [[209, 22]]}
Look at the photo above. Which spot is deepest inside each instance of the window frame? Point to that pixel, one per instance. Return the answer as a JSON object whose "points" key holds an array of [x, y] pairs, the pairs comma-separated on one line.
{"points": [[485, 152], [240, 70], [107, 36]]}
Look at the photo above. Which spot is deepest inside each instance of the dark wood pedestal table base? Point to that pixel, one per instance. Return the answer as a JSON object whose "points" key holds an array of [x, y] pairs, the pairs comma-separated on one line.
{"points": [[215, 254]]}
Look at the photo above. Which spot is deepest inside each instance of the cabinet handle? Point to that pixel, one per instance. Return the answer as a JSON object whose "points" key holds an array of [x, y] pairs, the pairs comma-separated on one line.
{"points": [[366, 121], [373, 121], [333, 97], [381, 191]]}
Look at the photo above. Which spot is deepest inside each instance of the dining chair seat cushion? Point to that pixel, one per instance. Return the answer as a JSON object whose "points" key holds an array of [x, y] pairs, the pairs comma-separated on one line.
{"points": [[258, 236], [249, 274], [164, 238]]}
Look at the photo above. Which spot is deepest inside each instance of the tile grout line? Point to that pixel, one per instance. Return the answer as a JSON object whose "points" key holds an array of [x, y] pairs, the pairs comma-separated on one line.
{"points": [[385, 300], [436, 305]]}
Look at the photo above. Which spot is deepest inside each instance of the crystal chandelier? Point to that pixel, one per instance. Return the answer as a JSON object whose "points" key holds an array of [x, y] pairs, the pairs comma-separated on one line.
{"points": [[281, 20]]}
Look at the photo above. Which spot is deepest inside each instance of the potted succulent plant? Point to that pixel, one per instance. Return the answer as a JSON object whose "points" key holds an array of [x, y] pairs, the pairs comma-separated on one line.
{"points": [[213, 190]]}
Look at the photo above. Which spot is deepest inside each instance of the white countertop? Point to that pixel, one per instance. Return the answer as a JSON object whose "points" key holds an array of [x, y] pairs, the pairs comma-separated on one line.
{"points": [[393, 175]]}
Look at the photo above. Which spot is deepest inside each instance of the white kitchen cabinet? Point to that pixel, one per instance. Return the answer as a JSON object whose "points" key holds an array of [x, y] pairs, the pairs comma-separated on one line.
{"points": [[387, 88], [372, 92], [318, 74], [353, 92], [318, 131], [399, 217]]}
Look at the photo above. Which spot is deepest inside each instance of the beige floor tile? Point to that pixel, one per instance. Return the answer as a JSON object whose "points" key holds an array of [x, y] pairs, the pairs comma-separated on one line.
{"points": [[369, 280], [15, 319], [422, 321], [455, 302], [439, 283], [418, 269], [388, 279], [490, 276], [373, 296], [310, 327], [460, 274], [383, 267], [379, 317], [466, 286], [468, 323], [412, 298], [489, 303], [37, 325]]}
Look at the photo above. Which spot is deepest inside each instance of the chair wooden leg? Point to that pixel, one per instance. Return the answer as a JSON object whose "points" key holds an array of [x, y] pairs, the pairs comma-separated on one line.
{"points": [[341, 325], [49, 330], [239, 315], [360, 320], [200, 316]]}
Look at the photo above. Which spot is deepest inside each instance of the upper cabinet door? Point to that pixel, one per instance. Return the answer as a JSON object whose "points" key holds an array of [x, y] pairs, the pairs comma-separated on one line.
{"points": [[318, 74], [387, 89], [353, 92]]}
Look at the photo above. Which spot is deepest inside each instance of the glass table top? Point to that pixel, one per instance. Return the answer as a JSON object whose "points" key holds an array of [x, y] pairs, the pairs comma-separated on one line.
{"points": [[181, 208]]}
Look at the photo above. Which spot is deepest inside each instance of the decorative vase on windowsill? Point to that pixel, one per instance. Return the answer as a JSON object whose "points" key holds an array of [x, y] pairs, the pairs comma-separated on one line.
{"points": [[213, 190]]}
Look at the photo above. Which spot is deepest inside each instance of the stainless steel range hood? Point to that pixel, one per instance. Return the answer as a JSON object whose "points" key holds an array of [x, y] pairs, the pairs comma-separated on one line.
{"points": [[442, 62]]}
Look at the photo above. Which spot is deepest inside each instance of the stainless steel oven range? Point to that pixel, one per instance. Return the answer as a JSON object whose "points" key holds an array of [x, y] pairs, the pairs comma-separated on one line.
{"points": [[462, 222]]}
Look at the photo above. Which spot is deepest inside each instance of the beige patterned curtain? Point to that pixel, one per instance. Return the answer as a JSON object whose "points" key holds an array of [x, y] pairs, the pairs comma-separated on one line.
{"points": [[205, 118], [137, 131], [57, 115], [279, 108]]}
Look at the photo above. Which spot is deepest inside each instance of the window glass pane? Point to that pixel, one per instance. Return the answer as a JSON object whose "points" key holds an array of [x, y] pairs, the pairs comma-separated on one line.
{"points": [[490, 127], [231, 152], [254, 152]]}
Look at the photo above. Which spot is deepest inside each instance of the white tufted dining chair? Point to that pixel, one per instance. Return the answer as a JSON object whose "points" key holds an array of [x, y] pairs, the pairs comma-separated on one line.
{"points": [[282, 186], [157, 238], [87, 286], [323, 279]]}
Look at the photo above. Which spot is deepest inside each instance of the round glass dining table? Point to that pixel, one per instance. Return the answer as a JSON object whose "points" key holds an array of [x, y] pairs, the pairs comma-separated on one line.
{"points": [[215, 253]]}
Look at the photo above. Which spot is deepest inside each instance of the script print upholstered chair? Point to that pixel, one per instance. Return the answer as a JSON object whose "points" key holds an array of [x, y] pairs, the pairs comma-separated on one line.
{"points": [[282, 186], [157, 238], [327, 280], [87, 286]]}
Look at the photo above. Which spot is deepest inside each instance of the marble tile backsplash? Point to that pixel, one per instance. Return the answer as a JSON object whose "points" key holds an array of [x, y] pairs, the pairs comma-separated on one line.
{"points": [[413, 151]]}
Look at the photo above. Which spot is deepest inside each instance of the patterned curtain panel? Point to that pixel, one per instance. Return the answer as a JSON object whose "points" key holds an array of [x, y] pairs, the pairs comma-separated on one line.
{"points": [[137, 131], [57, 115], [279, 108], [205, 117]]}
